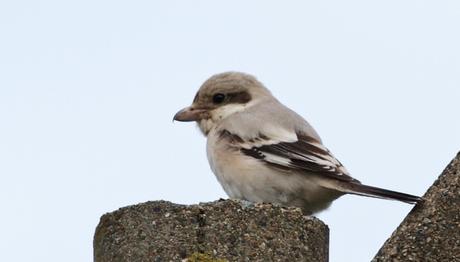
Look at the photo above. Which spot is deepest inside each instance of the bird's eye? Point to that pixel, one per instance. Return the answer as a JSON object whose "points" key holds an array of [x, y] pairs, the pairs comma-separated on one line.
{"points": [[218, 98]]}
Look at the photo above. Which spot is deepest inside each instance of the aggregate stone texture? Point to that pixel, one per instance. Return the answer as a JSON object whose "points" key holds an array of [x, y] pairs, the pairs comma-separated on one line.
{"points": [[224, 230]]}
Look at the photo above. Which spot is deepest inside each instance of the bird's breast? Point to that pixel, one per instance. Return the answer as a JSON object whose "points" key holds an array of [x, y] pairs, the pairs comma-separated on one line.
{"points": [[248, 178]]}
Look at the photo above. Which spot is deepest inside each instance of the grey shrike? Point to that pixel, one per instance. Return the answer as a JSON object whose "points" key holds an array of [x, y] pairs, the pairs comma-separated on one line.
{"points": [[261, 151]]}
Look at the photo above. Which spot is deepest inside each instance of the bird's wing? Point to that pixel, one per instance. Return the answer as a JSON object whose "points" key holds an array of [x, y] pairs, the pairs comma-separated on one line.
{"points": [[306, 155]]}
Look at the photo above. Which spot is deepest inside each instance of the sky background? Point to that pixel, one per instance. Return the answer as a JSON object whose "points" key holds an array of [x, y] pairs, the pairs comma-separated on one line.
{"points": [[88, 90]]}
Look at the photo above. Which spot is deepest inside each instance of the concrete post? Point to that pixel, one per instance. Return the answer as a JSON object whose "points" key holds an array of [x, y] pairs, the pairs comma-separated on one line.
{"points": [[224, 230]]}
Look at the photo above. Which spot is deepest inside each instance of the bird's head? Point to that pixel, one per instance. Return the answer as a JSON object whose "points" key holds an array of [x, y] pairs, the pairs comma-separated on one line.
{"points": [[221, 96]]}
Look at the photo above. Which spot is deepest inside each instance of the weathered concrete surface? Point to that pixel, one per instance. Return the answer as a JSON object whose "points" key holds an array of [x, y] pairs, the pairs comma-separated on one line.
{"points": [[431, 231], [162, 231]]}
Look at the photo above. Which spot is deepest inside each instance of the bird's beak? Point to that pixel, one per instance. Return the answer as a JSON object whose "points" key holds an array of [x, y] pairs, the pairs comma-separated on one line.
{"points": [[189, 114]]}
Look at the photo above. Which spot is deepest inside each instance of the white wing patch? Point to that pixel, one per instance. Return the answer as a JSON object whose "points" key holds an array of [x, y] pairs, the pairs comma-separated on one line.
{"points": [[275, 159]]}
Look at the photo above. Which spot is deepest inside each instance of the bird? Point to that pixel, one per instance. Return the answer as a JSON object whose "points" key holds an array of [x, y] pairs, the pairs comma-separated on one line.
{"points": [[263, 152]]}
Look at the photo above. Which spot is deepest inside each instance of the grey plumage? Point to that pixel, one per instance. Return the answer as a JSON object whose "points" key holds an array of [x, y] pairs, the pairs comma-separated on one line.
{"points": [[261, 151]]}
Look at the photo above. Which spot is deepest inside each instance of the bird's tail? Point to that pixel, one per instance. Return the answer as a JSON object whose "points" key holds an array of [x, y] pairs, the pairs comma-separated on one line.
{"points": [[370, 191]]}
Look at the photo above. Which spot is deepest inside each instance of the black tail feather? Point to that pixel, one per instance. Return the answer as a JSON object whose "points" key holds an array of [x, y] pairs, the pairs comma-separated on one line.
{"points": [[370, 191]]}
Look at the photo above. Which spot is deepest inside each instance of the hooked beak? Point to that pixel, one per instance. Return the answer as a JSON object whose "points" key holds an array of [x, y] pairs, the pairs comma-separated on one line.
{"points": [[189, 114]]}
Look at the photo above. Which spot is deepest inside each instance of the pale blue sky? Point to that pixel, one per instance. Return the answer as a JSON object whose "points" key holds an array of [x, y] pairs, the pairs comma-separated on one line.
{"points": [[88, 90]]}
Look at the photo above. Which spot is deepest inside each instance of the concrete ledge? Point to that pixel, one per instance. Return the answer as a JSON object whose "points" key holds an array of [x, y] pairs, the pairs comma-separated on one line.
{"points": [[217, 231], [431, 231]]}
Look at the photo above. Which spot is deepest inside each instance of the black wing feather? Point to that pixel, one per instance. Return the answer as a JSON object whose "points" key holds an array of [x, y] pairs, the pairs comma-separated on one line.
{"points": [[301, 155]]}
